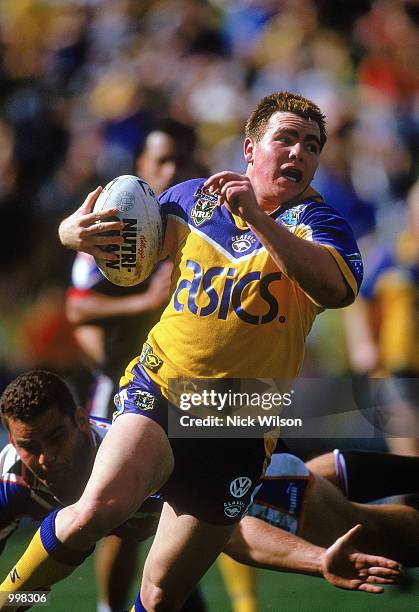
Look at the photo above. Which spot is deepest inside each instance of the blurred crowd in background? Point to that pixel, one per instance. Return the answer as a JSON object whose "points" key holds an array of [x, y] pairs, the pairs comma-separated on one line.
{"points": [[82, 83]]}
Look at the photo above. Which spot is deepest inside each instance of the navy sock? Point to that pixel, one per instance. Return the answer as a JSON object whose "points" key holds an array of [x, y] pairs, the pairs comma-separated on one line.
{"points": [[138, 606], [56, 549]]}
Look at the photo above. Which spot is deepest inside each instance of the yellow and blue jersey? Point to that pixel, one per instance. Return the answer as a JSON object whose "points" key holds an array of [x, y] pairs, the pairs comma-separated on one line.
{"points": [[392, 290], [232, 313]]}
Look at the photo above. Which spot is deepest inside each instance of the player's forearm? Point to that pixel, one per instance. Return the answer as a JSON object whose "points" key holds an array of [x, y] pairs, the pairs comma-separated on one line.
{"points": [[363, 350], [93, 307], [307, 263], [256, 543]]}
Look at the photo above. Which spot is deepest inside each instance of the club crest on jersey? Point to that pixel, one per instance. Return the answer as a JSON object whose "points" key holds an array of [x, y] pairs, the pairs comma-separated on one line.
{"points": [[149, 359], [291, 216], [204, 206], [241, 244], [144, 400]]}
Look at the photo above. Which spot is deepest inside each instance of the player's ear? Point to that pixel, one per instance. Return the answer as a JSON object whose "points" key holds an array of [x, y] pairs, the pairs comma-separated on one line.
{"points": [[9, 435], [82, 419], [248, 149]]}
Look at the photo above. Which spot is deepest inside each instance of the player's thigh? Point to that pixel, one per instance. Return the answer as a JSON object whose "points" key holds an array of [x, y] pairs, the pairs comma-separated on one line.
{"points": [[327, 514], [133, 461], [183, 549]]}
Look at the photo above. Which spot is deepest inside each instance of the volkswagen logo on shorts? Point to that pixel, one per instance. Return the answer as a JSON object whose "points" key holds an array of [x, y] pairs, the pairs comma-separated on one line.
{"points": [[240, 486]]}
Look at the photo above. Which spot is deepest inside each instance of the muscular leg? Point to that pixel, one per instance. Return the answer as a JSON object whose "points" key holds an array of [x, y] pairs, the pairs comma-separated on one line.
{"points": [[133, 461], [388, 529], [182, 551]]}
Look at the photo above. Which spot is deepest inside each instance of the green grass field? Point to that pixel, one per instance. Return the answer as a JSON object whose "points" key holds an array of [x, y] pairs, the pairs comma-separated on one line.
{"points": [[277, 592]]}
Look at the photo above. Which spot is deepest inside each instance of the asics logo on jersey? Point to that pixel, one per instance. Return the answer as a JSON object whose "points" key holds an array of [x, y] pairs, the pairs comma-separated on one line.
{"points": [[229, 297], [240, 486]]}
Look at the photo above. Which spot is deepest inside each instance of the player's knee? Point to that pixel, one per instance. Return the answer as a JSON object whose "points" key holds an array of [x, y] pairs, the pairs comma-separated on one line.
{"points": [[152, 597], [155, 599], [97, 518], [325, 466]]}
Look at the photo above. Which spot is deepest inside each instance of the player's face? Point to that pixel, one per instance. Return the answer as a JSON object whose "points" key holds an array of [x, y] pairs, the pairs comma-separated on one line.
{"points": [[281, 165], [157, 164], [53, 447]]}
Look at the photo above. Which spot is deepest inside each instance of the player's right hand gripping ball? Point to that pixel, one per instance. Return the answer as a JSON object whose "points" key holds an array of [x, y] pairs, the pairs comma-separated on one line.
{"points": [[139, 209]]}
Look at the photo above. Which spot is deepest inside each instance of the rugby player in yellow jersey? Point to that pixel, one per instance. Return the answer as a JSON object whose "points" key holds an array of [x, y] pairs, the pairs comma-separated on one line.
{"points": [[256, 258], [382, 330]]}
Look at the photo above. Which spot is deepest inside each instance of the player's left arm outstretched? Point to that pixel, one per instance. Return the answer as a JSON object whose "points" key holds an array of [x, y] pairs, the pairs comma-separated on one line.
{"points": [[306, 262], [257, 543], [347, 568]]}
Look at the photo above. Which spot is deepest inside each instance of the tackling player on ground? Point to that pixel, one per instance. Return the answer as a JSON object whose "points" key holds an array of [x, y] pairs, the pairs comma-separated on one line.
{"points": [[52, 449]]}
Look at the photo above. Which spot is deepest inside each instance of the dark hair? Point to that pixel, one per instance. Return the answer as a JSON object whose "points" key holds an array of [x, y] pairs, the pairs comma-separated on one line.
{"points": [[183, 135], [285, 102], [33, 393]]}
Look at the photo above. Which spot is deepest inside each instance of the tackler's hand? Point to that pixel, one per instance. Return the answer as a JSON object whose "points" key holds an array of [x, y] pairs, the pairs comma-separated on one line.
{"points": [[348, 568]]}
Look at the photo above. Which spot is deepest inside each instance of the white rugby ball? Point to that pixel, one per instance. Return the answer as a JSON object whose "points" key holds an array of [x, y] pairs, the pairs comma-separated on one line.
{"points": [[139, 209]]}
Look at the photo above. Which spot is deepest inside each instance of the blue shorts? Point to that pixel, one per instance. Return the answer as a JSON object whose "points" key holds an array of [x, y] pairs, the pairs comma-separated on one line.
{"points": [[213, 479], [282, 498]]}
